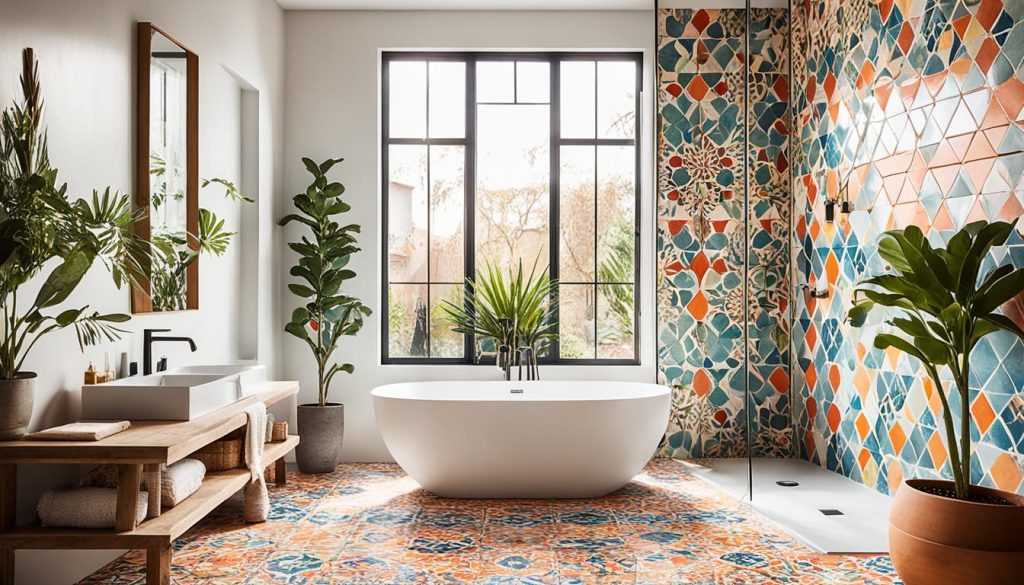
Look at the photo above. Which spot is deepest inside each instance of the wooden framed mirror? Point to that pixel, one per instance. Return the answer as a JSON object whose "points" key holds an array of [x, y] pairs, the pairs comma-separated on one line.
{"points": [[167, 171]]}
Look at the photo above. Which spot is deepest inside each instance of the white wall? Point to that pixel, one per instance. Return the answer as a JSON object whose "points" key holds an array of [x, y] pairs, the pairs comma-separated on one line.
{"points": [[332, 75], [86, 52]]}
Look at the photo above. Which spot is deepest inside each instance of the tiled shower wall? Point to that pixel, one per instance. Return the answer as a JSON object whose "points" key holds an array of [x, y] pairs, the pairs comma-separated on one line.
{"points": [[917, 104], [707, 291]]}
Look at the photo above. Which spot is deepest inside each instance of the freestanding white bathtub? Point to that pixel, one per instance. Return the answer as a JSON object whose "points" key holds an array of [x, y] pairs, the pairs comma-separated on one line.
{"points": [[541, 439]]}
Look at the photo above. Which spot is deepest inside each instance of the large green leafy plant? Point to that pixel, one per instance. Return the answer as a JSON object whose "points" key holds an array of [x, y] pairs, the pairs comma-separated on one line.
{"points": [[42, 229], [942, 307], [328, 314], [508, 307]]}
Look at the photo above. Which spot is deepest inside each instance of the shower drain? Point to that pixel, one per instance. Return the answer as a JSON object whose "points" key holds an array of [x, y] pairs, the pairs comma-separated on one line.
{"points": [[831, 512], [787, 483]]}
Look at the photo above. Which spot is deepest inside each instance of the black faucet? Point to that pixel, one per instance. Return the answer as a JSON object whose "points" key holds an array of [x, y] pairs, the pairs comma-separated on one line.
{"points": [[147, 347]]}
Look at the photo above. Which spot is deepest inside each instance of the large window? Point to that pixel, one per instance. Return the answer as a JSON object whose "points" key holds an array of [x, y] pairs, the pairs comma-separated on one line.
{"points": [[502, 158]]}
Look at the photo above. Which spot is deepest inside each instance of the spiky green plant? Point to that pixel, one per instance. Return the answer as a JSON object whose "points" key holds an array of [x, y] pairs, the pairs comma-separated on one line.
{"points": [[327, 314], [508, 307], [40, 225], [941, 310]]}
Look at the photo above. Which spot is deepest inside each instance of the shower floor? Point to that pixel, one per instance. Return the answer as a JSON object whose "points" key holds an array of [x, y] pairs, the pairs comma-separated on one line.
{"points": [[862, 526]]}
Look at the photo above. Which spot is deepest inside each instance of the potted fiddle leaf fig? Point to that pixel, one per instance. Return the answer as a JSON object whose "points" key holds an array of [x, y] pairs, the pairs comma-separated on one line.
{"points": [[44, 232], [941, 306], [327, 314]]}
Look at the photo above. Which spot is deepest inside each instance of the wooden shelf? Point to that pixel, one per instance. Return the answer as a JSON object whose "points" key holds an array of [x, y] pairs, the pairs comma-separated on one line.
{"points": [[157, 532], [148, 441]]}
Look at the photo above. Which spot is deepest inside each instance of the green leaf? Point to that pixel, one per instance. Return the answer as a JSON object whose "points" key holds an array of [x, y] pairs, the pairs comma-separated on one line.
{"points": [[63, 280], [327, 164], [886, 340], [999, 292], [311, 166], [68, 317], [859, 312], [297, 330], [988, 235], [936, 352], [1004, 323], [890, 251], [114, 318], [301, 290]]}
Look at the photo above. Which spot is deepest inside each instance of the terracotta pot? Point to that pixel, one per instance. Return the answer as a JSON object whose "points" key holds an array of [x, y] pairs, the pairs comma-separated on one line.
{"points": [[321, 429], [16, 398], [935, 540]]}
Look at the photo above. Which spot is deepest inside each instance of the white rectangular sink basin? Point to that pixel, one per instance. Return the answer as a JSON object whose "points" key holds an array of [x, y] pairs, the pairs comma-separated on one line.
{"points": [[249, 376], [180, 394]]}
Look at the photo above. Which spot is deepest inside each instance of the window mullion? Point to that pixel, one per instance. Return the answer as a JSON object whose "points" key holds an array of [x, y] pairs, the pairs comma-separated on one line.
{"points": [[597, 192], [554, 223], [469, 205]]}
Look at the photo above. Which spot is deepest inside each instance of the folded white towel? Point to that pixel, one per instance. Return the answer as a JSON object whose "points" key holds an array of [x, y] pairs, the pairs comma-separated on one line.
{"points": [[257, 500], [87, 507], [180, 480], [80, 431]]}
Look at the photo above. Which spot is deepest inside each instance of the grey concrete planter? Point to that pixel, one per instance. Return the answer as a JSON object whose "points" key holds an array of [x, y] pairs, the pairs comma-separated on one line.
{"points": [[16, 398], [321, 431]]}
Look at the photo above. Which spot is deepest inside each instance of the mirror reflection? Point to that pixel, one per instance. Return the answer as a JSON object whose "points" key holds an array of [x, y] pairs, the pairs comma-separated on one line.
{"points": [[168, 175]]}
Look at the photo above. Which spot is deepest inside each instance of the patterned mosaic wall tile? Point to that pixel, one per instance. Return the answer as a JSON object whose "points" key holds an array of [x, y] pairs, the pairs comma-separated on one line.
{"points": [[917, 104], [705, 311]]}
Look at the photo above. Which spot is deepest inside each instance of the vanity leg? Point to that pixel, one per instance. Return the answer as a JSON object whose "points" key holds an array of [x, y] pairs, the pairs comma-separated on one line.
{"points": [[8, 503], [6, 566], [151, 475], [128, 478], [280, 472], [158, 566]]}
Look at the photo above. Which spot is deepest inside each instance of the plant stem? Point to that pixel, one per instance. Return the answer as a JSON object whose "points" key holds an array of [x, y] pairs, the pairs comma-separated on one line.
{"points": [[965, 427], [947, 419]]}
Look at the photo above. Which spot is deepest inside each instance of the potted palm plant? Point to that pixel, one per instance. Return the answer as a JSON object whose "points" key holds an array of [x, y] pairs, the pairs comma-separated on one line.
{"points": [[948, 532], [43, 230], [327, 314], [512, 310]]}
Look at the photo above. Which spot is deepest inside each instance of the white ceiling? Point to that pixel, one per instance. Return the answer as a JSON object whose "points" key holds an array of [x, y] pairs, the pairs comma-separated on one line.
{"points": [[466, 4]]}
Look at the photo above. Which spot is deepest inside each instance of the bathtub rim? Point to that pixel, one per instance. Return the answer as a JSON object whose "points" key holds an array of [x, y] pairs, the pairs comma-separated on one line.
{"points": [[390, 391]]}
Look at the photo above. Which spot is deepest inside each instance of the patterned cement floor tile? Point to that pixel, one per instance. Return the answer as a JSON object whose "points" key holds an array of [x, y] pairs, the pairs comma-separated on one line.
{"points": [[370, 524]]}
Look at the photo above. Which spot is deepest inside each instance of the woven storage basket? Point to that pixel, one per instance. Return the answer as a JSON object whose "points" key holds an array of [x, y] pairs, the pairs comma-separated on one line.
{"points": [[227, 453]]}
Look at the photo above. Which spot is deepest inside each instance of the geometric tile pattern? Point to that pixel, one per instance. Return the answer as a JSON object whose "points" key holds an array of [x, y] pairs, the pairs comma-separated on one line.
{"points": [[706, 225], [918, 107], [372, 524]]}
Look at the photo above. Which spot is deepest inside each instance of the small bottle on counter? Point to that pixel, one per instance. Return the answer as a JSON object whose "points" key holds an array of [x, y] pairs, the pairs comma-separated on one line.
{"points": [[108, 374], [90, 375]]}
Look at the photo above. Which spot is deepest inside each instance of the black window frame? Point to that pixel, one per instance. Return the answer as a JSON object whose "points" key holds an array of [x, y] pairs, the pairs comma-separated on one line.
{"points": [[469, 220]]}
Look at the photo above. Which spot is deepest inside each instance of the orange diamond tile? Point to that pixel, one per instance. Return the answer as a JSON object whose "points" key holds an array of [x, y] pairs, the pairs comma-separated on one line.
{"points": [[984, 416], [895, 477], [834, 377], [1006, 473], [863, 427], [701, 383], [834, 417], [698, 306], [697, 88], [988, 12], [864, 458], [811, 375], [897, 438], [937, 449], [779, 380]]}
